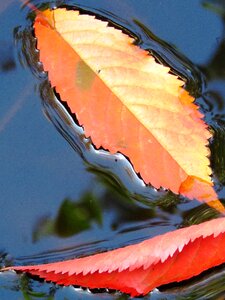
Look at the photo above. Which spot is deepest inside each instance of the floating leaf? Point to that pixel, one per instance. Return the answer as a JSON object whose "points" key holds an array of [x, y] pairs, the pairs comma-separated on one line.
{"points": [[137, 269], [127, 102]]}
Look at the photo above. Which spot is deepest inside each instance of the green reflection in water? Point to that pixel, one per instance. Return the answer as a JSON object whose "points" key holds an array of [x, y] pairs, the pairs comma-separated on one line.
{"points": [[72, 217]]}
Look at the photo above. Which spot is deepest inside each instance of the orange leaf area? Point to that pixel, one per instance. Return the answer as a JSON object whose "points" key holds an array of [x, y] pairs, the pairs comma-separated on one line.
{"points": [[137, 269], [126, 102]]}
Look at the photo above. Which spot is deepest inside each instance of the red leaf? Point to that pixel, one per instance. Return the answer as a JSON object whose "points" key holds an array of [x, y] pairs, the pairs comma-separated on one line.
{"points": [[137, 269]]}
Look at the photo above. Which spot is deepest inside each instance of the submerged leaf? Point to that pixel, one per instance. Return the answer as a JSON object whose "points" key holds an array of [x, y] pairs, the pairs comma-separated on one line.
{"points": [[137, 269]]}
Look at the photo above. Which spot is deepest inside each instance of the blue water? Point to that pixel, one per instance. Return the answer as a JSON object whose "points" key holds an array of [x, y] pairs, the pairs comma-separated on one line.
{"points": [[54, 205]]}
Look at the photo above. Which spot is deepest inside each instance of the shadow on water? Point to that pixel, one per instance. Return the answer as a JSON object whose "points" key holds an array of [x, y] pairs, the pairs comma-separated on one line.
{"points": [[7, 62], [123, 210]]}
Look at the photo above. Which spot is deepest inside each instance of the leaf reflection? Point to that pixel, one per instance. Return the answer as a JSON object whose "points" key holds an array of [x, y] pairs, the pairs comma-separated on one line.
{"points": [[72, 217]]}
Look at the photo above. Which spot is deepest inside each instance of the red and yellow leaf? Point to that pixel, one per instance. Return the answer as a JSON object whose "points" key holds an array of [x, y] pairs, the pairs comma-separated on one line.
{"points": [[127, 102], [137, 269]]}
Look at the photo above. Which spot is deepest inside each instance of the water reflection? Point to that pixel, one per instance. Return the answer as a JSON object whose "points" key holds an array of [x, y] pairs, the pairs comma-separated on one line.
{"points": [[72, 217], [125, 209], [214, 99], [209, 285], [75, 216], [169, 55], [215, 68]]}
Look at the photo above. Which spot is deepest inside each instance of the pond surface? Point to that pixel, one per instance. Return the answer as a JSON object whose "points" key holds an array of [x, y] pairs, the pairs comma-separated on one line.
{"points": [[59, 202]]}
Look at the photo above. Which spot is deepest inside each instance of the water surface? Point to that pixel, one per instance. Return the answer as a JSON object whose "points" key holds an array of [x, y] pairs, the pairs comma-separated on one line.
{"points": [[54, 205]]}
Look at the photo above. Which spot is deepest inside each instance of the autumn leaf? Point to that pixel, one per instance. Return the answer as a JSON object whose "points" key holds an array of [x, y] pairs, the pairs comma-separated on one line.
{"points": [[137, 269], [126, 102]]}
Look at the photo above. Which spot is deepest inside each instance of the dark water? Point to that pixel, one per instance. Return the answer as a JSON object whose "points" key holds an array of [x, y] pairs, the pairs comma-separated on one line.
{"points": [[57, 203]]}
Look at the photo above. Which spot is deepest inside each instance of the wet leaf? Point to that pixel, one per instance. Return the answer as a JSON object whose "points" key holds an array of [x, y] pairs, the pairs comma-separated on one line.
{"points": [[127, 102], [137, 269]]}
